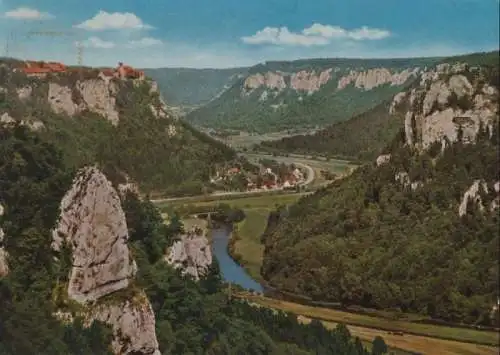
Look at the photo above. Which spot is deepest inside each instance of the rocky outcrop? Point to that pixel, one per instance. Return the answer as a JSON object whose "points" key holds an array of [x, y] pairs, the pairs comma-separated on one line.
{"points": [[95, 95], [373, 78], [4, 268], [269, 80], [383, 159], [24, 93], [93, 225], [133, 325], [403, 178], [191, 253], [473, 195], [99, 97], [396, 102], [305, 80], [6, 119], [449, 98], [9, 121], [61, 99], [309, 81]]}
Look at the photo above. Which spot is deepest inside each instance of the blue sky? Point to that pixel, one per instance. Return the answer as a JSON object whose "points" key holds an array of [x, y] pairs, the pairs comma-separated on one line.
{"points": [[228, 33]]}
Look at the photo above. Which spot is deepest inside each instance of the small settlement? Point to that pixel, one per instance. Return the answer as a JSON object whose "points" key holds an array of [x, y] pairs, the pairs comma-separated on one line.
{"points": [[280, 177]]}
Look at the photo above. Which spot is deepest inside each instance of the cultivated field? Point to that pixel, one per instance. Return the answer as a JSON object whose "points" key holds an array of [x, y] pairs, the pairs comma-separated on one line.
{"points": [[420, 338]]}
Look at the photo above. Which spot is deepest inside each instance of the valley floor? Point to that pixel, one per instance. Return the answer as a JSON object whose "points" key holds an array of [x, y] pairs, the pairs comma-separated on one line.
{"points": [[419, 338]]}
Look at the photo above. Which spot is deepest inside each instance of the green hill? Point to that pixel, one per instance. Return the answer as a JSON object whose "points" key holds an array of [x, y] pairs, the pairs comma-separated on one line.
{"points": [[121, 124], [187, 87], [277, 96], [410, 232]]}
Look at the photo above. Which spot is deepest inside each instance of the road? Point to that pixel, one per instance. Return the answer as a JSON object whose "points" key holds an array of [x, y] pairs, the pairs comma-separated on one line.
{"points": [[310, 178]]}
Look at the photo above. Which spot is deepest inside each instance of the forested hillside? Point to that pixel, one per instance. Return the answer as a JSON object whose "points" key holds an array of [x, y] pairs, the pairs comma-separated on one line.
{"points": [[188, 87], [122, 124], [191, 317], [363, 136], [417, 231], [278, 96]]}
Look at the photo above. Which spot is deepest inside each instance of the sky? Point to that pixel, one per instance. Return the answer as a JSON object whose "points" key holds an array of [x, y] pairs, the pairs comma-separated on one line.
{"points": [[233, 33]]}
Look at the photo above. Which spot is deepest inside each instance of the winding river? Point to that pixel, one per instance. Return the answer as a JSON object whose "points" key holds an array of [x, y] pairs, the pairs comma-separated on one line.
{"points": [[231, 270]]}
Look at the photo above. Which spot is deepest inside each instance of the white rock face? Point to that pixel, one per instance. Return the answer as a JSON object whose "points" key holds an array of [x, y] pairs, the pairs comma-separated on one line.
{"points": [[310, 81], [133, 326], [60, 99], [269, 80], [398, 98], [191, 253], [383, 159], [93, 223], [446, 100], [372, 78], [24, 92], [6, 119], [98, 95], [473, 195], [404, 179]]}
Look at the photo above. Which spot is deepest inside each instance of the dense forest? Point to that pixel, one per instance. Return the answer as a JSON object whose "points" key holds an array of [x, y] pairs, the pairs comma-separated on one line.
{"points": [[349, 139], [191, 317], [140, 145], [372, 241]]}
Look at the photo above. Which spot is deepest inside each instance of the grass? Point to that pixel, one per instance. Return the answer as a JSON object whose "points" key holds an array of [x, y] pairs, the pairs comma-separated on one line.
{"points": [[413, 343], [267, 201], [248, 246], [447, 340]]}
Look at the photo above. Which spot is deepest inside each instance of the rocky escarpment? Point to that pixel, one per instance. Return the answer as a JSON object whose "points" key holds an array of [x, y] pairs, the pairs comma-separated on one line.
{"points": [[93, 225], [69, 95], [310, 81], [191, 253], [451, 103], [372, 78], [4, 268], [134, 325], [473, 195]]}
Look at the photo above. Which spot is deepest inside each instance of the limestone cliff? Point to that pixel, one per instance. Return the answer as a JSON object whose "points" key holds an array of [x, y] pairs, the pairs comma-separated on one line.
{"points": [[311, 81], [473, 195], [93, 225], [191, 253], [372, 78], [71, 95], [448, 98]]}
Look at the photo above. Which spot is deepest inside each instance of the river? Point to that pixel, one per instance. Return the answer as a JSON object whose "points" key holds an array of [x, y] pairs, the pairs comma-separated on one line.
{"points": [[230, 270]]}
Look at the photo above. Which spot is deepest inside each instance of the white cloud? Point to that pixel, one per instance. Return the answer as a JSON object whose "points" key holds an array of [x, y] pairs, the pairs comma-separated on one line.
{"points": [[26, 13], [317, 34], [144, 42], [368, 33], [273, 35], [96, 42], [113, 21]]}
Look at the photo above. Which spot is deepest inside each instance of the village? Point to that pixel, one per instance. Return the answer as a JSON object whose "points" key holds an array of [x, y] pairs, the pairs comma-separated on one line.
{"points": [[271, 176]]}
